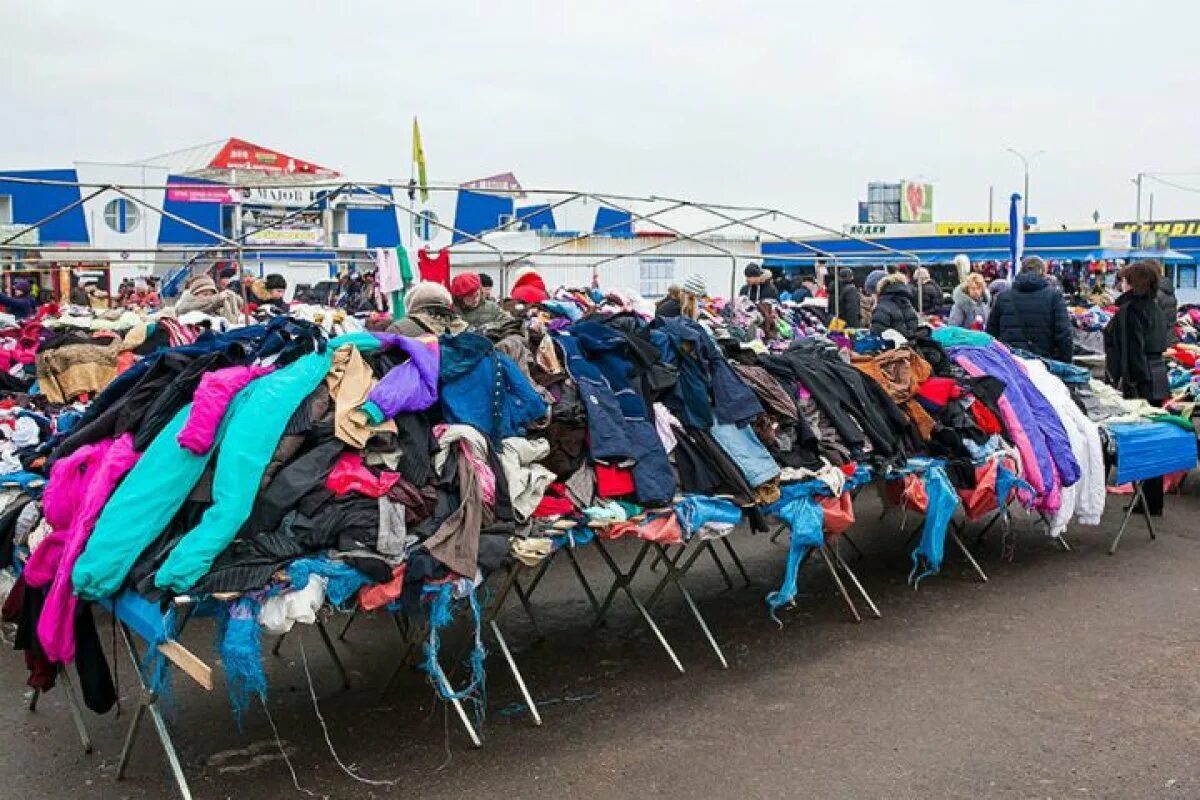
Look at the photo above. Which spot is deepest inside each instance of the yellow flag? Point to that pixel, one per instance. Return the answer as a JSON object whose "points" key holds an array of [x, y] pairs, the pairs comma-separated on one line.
{"points": [[418, 157]]}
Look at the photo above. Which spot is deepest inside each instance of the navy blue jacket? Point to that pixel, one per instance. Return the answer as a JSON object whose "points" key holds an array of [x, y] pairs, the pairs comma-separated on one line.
{"points": [[1032, 315], [486, 389]]}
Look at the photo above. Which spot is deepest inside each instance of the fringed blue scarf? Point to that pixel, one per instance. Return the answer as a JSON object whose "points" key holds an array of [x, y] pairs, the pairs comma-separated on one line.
{"points": [[942, 500], [241, 654], [441, 614], [806, 518]]}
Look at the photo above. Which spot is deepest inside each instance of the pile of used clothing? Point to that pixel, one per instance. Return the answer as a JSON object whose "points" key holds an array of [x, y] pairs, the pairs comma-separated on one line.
{"points": [[294, 462]]}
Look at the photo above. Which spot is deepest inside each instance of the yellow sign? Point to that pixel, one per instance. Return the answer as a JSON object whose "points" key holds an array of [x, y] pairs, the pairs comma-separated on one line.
{"points": [[970, 228], [1171, 227]]}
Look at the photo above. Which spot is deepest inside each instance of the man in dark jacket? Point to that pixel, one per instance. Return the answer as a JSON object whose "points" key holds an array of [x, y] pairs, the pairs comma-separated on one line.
{"points": [[1169, 305], [849, 299], [20, 303], [1032, 315], [758, 284], [895, 310]]}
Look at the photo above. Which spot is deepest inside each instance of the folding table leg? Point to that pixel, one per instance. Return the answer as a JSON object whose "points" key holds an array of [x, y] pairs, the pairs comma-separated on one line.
{"points": [[1137, 504], [841, 562], [621, 581], [837, 579], [853, 545], [493, 611], [675, 575], [333, 653], [410, 644], [516, 673], [712, 551], [583, 581], [76, 715], [953, 534], [346, 627], [737, 562], [149, 704]]}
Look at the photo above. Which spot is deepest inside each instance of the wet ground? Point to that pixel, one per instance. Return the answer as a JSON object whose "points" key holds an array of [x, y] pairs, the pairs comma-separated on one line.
{"points": [[1067, 675]]}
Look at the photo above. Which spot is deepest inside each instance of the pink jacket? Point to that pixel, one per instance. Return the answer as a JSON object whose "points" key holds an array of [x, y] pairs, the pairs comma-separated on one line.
{"points": [[79, 487], [212, 398]]}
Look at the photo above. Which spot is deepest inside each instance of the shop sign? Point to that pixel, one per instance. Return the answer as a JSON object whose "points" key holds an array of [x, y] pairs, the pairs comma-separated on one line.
{"points": [[298, 236], [1171, 227], [970, 228], [27, 239], [1116, 239], [240, 154], [505, 182], [201, 194], [277, 197], [886, 229]]}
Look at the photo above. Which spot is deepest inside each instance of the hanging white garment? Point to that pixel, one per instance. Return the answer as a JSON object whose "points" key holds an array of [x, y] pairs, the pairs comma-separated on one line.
{"points": [[1085, 500]]}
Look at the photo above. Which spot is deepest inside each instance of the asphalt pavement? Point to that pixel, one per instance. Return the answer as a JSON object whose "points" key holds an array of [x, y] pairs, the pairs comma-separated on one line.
{"points": [[1066, 675]]}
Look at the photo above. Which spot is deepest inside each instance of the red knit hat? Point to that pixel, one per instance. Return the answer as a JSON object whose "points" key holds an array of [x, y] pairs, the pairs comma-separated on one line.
{"points": [[529, 288], [465, 284]]}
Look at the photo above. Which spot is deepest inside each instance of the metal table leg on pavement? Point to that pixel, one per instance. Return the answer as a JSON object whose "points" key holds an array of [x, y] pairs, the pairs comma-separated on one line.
{"points": [[621, 581], [674, 575], [510, 583], [1137, 504], [72, 703], [835, 550], [412, 634], [148, 703]]}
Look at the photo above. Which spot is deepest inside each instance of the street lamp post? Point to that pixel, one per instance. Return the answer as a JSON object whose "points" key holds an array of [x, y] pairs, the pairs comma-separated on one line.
{"points": [[1025, 162]]}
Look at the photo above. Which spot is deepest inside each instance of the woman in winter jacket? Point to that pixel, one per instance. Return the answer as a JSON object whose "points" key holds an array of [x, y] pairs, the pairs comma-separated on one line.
{"points": [[1134, 341], [429, 309], [894, 309], [971, 303]]}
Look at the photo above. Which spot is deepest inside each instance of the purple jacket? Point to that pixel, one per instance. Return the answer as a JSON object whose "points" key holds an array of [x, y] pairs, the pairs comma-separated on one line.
{"points": [[1032, 423], [411, 386]]}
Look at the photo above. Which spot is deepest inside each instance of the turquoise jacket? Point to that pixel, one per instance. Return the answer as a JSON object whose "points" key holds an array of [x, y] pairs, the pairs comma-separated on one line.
{"points": [[154, 490]]}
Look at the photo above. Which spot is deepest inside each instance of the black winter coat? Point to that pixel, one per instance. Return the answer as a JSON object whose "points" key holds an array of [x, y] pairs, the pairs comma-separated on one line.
{"points": [[1134, 341], [895, 311], [1170, 307], [850, 305], [1032, 315], [932, 298]]}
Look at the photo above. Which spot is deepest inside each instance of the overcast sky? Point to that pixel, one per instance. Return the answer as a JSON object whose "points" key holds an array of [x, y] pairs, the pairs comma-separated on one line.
{"points": [[791, 104]]}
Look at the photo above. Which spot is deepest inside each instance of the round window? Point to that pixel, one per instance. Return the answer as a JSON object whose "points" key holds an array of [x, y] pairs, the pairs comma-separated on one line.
{"points": [[425, 225], [121, 215]]}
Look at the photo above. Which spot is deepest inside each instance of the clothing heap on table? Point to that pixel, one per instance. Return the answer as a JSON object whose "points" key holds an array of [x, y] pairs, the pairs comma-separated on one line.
{"points": [[285, 467]]}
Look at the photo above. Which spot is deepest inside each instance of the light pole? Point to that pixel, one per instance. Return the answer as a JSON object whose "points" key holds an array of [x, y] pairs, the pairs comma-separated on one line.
{"points": [[1025, 159]]}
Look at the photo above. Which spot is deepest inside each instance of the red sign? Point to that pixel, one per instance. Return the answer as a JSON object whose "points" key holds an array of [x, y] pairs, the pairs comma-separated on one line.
{"points": [[505, 182], [240, 154]]}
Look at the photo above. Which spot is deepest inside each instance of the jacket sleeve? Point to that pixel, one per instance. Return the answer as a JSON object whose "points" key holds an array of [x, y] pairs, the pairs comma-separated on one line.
{"points": [[993, 320], [851, 309], [956, 316], [1064, 347], [881, 319], [213, 396], [1134, 345], [411, 386]]}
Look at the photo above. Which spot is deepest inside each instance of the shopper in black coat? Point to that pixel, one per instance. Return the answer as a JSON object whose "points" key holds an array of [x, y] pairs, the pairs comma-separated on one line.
{"points": [[1134, 341], [894, 309], [849, 299], [1032, 315], [931, 296]]}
